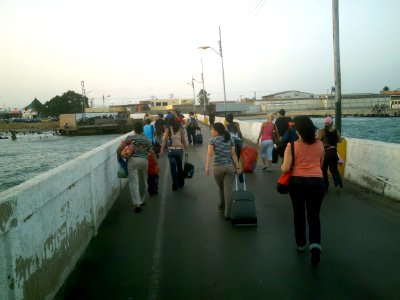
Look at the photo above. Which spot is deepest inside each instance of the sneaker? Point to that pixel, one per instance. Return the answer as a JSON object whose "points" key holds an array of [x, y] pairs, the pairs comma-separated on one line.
{"points": [[138, 209], [269, 170], [301, 249], [264, 169], [315, 256], [338, 189]]}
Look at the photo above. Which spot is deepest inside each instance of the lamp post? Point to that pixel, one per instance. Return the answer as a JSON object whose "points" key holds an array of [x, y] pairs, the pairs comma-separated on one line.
{"points": [[104, 107], [194, 94], [222, 62]]}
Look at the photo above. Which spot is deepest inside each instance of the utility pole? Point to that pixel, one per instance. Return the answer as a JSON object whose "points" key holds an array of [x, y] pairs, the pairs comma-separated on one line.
{"points": [[204, 92], [83, 100], [336, 52]]}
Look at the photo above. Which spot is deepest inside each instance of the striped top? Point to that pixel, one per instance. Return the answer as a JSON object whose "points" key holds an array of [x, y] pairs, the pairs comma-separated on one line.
{"points": [[222, 150], [268, 131], [140, 143]]}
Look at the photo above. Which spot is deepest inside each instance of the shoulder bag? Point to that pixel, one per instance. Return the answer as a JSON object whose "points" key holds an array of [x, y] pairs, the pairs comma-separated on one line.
{"points": [[283, 182]]}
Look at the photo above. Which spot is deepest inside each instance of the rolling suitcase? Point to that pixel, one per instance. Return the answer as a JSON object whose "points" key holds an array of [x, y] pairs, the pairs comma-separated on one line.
{"points": [[243, 209], [199, 138]]}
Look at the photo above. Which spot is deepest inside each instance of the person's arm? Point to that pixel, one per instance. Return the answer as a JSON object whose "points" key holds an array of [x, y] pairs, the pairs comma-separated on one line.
{"points": [[322, 156], [276, 134], [164, 140], [210, 152], [339, 137], [183, 140], [238, 129], [236, 163], [287, 159], [320, 134], [260, 133]]}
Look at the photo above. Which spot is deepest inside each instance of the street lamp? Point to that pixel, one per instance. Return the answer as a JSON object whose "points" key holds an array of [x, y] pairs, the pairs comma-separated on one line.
{"points": [[104, 107], [194, 94], [222, 61]]}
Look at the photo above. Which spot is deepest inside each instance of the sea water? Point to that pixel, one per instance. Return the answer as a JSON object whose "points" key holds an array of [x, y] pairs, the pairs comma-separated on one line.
{"points": [[32, 154], [377, 129]]}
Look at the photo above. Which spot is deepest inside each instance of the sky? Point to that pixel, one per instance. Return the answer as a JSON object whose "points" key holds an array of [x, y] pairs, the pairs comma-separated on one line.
{"points": [[133, 50]]}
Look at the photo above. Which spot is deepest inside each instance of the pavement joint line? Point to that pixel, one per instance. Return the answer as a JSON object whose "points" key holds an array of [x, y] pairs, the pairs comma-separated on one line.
{"points": [[154, 283]]}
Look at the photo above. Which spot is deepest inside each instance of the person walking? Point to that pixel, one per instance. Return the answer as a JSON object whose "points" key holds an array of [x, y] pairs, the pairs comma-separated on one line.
{"points": [[159, 126], [306, 186], [226, 164], [175, 134], [330, 137], [152, 174], [281, 122], [191, 127], [137, 164], [148, 130], [236, 134], [267, 132]]}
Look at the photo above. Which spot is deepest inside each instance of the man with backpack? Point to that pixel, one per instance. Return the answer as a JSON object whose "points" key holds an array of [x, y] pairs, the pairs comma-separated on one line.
{"points": [[191, 127]]}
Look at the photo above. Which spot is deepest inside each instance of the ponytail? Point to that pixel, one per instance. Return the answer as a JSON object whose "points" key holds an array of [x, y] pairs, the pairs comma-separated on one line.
{"points": [[227, 136], [220, 128]]}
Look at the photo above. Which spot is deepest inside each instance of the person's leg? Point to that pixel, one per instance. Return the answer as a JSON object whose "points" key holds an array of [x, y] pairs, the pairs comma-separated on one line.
{"points": [[218, 172], [189, 135], [156, 178], [174, 172], [142, 177], [263, 154], [299, 215], [238, 148], [332, 164], [270, 147], [313, 205], [133, 181], [179, 168], [229, 177]]}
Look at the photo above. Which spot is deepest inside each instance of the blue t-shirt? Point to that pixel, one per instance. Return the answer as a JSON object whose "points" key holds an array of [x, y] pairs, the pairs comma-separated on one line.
{"points": [[222, 150], [148, 131]]}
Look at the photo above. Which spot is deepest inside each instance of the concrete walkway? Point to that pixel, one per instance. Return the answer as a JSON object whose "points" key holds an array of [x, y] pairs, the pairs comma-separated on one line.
{"points": [[180, 246]]}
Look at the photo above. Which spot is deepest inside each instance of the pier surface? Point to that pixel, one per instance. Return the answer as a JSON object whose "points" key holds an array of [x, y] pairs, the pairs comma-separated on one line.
{"points": [[181, 247]]}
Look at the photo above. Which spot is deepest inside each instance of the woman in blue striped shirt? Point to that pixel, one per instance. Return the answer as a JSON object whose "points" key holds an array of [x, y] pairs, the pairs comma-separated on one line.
{"points": [[225, 164]]}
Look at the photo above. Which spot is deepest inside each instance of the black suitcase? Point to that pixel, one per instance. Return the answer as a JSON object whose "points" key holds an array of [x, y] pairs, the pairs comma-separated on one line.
{"points": [[243, 209], [199, 138]]}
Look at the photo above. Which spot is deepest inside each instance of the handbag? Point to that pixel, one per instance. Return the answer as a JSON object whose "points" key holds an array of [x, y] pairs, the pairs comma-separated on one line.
{"points": [[121, 173], [127, 151], [284, 180], [188, 169]]}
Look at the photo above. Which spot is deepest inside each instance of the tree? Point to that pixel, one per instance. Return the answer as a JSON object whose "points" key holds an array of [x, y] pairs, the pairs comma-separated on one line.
{"points": [[37, 106], [385, 88], [69, 103], [200, 97]]}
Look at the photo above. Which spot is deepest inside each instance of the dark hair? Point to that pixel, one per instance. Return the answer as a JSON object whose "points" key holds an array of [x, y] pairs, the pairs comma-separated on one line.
{"points": [[306, 128], [175, 126], [147, 121], [191, 113], [220, 128], [282, 112], [138, 127], [160, 115], [229, 118]]}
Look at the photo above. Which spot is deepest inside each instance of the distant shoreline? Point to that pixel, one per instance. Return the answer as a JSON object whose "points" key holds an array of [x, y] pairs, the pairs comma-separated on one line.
{"points": [[29, 127]]}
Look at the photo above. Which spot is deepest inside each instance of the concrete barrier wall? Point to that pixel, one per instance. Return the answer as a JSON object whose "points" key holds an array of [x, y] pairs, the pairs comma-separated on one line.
{"points": [[47, 222], [371, 164], [374, 165]]}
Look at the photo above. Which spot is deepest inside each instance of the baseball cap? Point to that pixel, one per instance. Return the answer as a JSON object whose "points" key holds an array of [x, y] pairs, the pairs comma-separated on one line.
{"points": [[328, 120]]}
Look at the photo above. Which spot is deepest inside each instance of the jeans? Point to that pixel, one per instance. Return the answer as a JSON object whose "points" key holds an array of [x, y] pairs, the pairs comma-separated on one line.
{"points": [[331, 161], [137, 168], [191, 134], [224, 177], [175, 161], [238, 148], [306, 194]]}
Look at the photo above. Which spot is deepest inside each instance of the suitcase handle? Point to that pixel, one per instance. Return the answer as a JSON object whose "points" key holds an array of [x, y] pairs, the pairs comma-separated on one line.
{"points": [[244, 181]]}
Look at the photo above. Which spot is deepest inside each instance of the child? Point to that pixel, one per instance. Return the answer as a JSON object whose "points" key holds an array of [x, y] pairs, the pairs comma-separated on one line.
{"points": [[152, 174]]}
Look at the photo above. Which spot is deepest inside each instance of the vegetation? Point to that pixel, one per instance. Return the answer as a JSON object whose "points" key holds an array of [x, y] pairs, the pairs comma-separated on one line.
{"points": [[201, 97], [68, 103]]}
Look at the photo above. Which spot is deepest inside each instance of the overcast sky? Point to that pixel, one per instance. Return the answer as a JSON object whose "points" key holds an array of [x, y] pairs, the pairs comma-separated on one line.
{"points": [[133, 49]]}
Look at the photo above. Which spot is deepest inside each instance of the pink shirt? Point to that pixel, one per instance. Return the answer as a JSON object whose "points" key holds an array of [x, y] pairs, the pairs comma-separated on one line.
{"points": [[307, 159], [268, 131]]}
